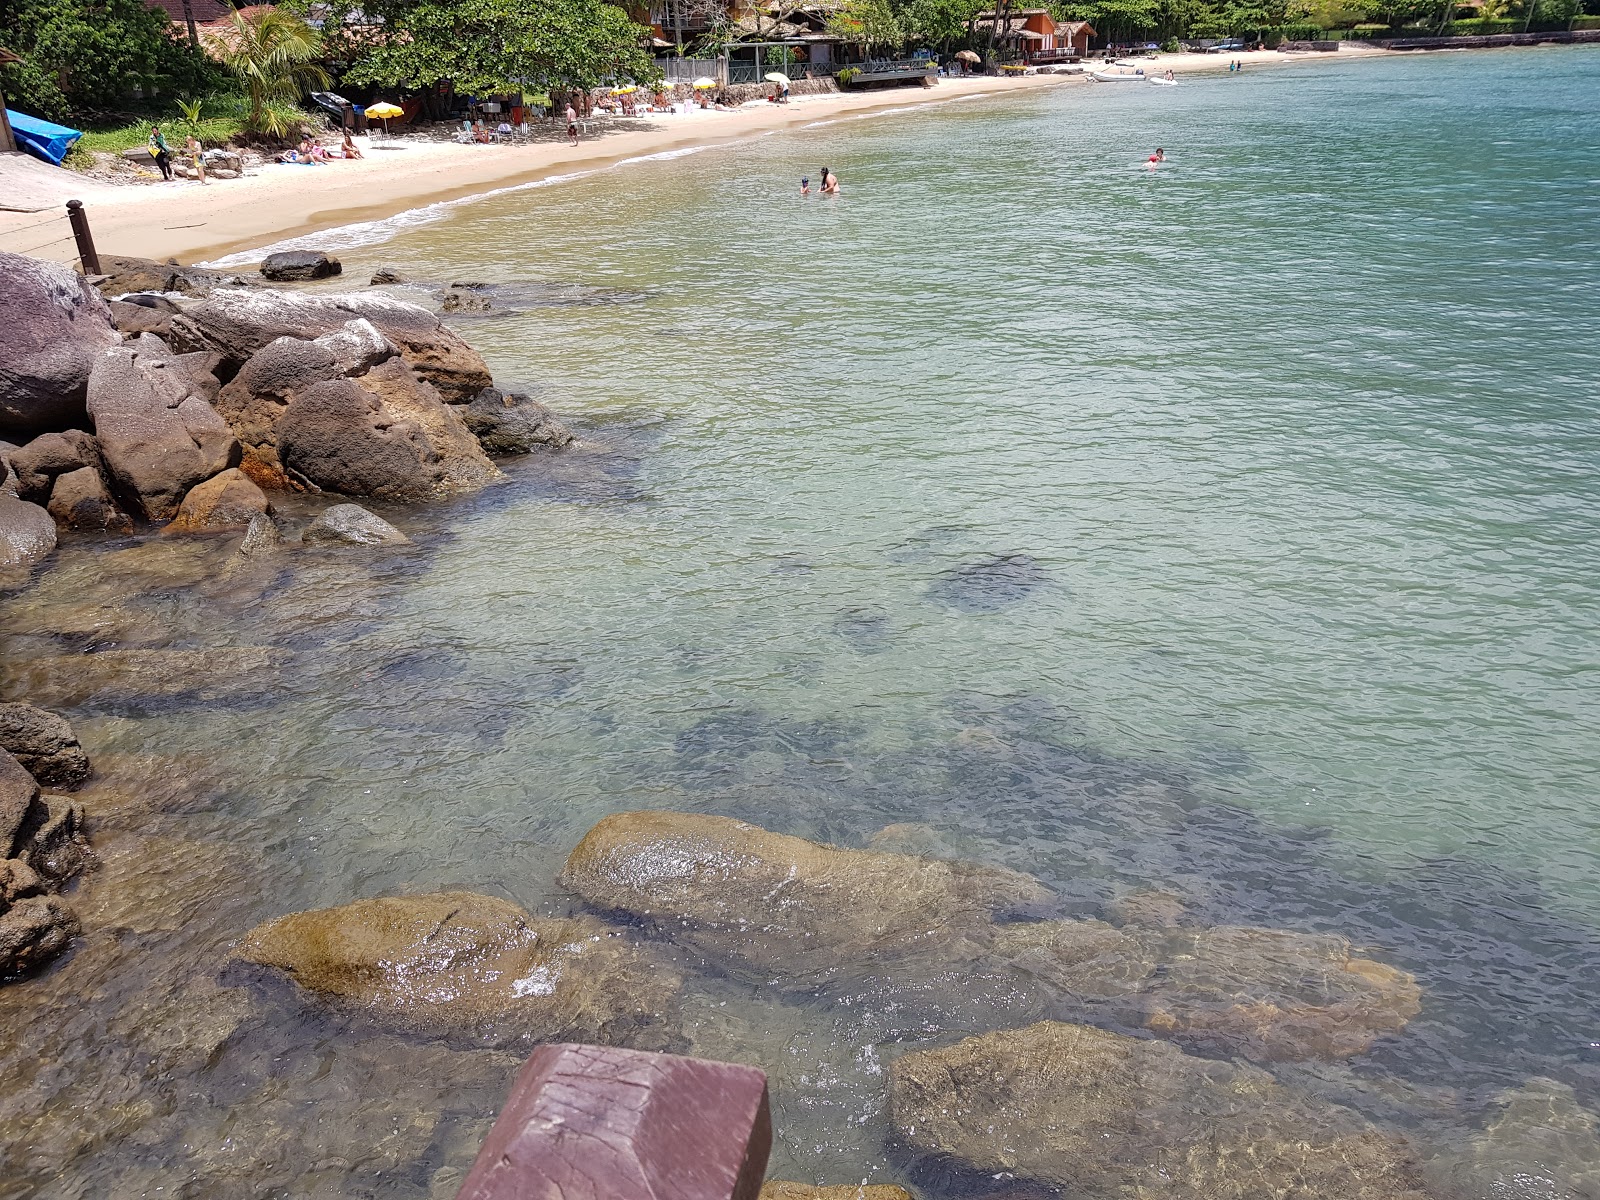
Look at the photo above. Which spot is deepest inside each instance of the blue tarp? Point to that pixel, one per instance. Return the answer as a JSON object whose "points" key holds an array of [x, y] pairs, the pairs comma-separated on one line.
{"points": [[42, 139]]}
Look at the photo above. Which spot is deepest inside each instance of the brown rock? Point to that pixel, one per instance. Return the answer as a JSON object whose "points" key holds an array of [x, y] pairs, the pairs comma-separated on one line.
{"points": [[224, 502], [27, 533], [134, 319], [782, 1189], [1106, 1116], [123, 274], [780, 906], [81, 500], [32, 932], [608, 1124], [140, 677], [44, 745], [51, 454], [457, 963], [19, 801]]}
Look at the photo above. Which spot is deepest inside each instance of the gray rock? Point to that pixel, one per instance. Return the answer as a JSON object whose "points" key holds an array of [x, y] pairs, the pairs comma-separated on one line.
{"points": [[261, 536], [1540, 1144], [134, 319], [385, 275], [52, 843], [32, 932], [56, 325], [19, 797], [27, 532], [512, 423], [157, 435], [39, 462], [1107, 1117], [352, 525], [124, 274], [81, 500], [45, 745], [288, 266], [238, 323], [254, 399]]}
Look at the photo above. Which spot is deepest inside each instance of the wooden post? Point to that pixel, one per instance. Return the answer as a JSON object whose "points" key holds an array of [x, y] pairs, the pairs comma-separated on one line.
{"points": [[85, 240]]}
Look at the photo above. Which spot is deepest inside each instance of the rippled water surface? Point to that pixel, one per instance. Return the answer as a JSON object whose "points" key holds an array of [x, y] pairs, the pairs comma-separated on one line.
{"points": [[1229, 528]]}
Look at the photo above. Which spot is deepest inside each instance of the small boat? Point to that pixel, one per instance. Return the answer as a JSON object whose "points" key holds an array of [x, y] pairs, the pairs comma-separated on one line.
{"points": [[1163, 81], [1117, 76]]}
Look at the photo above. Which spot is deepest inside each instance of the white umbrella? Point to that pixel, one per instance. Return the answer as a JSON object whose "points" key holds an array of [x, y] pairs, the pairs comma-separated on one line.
{"points": [[778, 77], [704, 82]]}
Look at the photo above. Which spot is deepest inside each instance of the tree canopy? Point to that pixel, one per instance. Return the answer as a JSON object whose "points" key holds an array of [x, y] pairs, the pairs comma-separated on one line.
{"points": [[83, 56], [488, 45]]}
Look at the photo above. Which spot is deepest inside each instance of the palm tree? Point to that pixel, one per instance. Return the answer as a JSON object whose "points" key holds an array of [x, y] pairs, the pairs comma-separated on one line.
{"points": [[275, 54]]}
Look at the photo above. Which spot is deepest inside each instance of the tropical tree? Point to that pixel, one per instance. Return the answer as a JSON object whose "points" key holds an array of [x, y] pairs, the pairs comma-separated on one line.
{"points": [[869, 23], [274, 54]]}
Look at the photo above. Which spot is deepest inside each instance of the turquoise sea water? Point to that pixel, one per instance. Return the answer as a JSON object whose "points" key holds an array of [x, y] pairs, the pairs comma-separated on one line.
{"points": [[1227, 528]]}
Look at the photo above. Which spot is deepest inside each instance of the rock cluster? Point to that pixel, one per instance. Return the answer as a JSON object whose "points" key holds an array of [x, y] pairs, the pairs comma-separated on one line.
{"points": [[192, 394], [42, 846]]}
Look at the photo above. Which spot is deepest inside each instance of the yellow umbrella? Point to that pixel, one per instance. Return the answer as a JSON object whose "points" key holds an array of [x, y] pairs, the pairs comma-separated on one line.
{"points": [[629, 90], [383, 110]]}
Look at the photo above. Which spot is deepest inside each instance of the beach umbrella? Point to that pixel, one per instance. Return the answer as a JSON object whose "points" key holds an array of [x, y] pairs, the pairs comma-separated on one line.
{"points": [[778, 77], [704, 82], [970, 56], [628, 90], [383, 110]]}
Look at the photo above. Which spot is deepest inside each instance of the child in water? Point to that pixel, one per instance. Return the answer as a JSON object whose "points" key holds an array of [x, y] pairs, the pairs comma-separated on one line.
{"points": [[805, 185]]}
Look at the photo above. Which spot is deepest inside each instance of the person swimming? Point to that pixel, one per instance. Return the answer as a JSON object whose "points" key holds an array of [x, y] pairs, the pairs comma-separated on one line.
{"points": [[805, 185], [1160, 156], [830, 183]]}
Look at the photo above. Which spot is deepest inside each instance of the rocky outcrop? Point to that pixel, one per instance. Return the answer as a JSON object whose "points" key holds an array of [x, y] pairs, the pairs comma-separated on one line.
{"points": [[19, 794], [27, 534], [1261, 993], [158, 434], [1106, 1116], [512, 423], [462, 964], [123, 274], [223, 502], [56, 326], [288, 266], [143, 314], [344, 413], [351, 525], [1540, 1144], [51, 454], [237, 323], [44, 744], [779, 906]]}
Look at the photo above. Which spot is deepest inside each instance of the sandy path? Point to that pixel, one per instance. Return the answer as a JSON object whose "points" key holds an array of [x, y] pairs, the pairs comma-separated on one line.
{"points": [[190, 222]]}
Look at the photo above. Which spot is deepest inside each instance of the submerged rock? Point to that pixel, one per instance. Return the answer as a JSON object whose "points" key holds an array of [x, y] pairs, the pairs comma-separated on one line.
{"points": [[1541, 1145], [458, 963], [1260, 993], [136, 677], [45, 746], [56, 326], [783, 1189], [989, 584], [352, 525], [781, 906], [1105, 1116], [33, 931]]}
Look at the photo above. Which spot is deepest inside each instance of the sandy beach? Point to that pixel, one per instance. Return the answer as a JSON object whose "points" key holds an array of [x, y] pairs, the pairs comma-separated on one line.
{"points": [[185, 220]]}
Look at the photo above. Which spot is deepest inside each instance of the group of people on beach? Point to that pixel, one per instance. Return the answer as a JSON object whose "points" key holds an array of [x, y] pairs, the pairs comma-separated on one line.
{"points": [[314, 153], [162, 153], [829, 187]]}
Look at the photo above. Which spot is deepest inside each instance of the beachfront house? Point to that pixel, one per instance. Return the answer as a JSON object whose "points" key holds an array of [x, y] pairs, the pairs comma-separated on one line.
{"points": [[1034, 36]]}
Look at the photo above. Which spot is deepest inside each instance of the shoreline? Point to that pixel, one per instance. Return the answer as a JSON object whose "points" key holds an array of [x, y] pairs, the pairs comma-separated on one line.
{"points": [[280, 202]]}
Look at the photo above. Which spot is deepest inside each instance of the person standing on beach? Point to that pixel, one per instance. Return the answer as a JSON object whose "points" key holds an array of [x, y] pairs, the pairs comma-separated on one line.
{"points": [[572, 123], [161, 152], [191, 147]]}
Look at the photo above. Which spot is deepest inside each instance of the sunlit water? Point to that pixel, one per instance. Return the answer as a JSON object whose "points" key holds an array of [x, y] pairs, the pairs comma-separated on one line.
{"points": [[1292, 447]]}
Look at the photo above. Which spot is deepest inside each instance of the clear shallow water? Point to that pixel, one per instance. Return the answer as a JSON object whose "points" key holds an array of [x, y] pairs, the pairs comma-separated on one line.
{"points": [[1292, 443]]}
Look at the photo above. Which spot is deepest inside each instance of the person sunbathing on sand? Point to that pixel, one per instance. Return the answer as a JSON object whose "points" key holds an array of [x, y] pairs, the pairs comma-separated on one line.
{"points": [[349, 147]]}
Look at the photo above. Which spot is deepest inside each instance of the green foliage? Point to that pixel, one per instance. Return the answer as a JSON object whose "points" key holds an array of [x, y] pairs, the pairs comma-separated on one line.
{"points": [[274, 54], [492, 45], [223, 122], [871, 23], [87, 56], [191, 111], [845, 76]]}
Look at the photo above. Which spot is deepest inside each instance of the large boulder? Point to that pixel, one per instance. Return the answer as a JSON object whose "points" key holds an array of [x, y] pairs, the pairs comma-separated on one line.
{"points": [[512, 423], [473, 966], [27, 534], [143, 314], [288, 266], [351, 525], [779, 906], [124, 274], [80, 500], [56, 326], [1107, 1117], [388, 436], [45, 745], [158, 435], [1239, 990], [237, 323], [51, 454], [254, 399], [223, 502]]}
